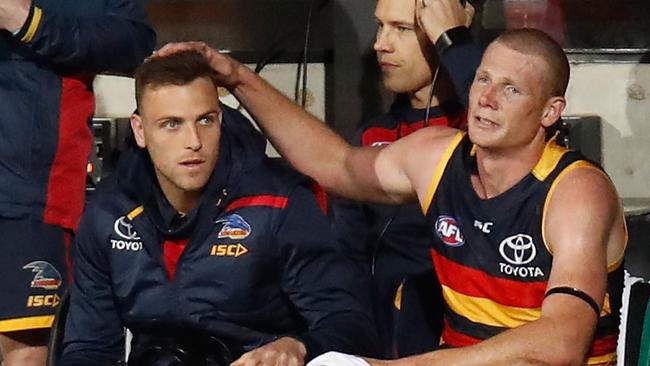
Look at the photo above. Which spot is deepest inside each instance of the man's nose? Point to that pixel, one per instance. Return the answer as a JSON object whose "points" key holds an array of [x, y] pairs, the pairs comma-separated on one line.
{"points": [[382, 41], [193, 139], [488, 97]]}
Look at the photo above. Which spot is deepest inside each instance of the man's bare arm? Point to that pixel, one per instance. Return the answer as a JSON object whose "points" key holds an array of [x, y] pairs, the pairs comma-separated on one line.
{"points": [[385, 175], [585, 232]]}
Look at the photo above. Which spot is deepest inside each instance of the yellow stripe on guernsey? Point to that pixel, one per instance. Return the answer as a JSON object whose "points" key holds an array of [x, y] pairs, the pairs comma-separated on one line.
{"points": [[484, 311], [437, 174], [604, 360], [34, 22], [135, 212], [397, 302], [549, 160], [33, 322]]}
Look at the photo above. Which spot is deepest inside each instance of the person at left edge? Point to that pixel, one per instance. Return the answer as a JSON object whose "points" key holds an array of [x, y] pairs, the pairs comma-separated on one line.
{"points": [[50, 51], [198, 230]]}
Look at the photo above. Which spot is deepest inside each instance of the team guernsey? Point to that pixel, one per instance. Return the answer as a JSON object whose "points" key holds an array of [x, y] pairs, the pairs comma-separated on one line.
{"points": [[491, 256]]}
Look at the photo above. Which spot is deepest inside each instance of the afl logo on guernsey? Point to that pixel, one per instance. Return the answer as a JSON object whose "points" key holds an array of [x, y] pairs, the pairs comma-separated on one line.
{"points": [[448, 231]]}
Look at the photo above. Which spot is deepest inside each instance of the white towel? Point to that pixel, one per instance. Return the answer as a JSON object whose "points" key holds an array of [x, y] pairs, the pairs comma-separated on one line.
{"points": [[337, 359]]}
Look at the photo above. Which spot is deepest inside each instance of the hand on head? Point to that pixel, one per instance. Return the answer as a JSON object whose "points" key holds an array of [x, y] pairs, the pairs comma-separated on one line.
{"points": [[224, 66], [438, 16], [13, 14]]}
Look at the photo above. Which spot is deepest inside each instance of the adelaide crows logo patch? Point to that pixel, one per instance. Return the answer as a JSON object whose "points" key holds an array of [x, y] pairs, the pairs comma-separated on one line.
{"points": [[235, 227], [46, 277]]}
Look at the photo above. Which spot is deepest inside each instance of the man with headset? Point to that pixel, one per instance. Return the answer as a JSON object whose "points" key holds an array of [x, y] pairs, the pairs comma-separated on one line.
{"points": [[429, 65]]}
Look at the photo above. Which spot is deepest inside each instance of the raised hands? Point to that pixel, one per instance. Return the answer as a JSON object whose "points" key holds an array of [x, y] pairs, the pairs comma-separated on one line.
{"points": [[438, 16], [13, 14]]}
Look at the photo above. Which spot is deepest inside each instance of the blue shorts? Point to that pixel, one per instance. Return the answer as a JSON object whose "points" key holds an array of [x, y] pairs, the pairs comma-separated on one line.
{"points": [[34, 271]]}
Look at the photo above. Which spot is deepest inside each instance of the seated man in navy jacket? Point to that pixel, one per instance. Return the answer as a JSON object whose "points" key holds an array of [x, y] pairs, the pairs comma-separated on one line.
{"points": [[199, 233]]}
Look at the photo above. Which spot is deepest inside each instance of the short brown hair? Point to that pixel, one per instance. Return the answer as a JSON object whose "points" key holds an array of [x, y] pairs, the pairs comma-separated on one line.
{"points": [[176, 69], [535, 42]]}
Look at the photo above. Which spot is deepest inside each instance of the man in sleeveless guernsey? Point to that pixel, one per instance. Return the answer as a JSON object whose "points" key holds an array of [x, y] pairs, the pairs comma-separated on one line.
{"points": [[199, 235], [529, 237], [390, 242]]}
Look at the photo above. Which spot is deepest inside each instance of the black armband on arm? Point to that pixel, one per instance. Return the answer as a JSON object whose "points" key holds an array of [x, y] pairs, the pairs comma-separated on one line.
{"points": [[460, 34], [577, 293]]}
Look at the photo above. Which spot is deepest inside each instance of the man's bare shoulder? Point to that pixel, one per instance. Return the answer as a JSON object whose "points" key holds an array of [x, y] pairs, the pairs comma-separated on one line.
{"points": [[584, 201], [587, 186], [418, 154]]}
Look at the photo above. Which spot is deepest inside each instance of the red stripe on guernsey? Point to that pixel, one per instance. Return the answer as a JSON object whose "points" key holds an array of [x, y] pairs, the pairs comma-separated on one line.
{"points": [[67, 180], [603, 345], [455, 339], [262, 200], [599, 347], [472, 282], [321, 196], [386, 135], [172, 250]]}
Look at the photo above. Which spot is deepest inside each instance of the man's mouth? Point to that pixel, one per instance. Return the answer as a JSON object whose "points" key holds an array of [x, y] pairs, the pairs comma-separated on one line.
{"points": [[387, 65], [485, 122], [192, 163]]}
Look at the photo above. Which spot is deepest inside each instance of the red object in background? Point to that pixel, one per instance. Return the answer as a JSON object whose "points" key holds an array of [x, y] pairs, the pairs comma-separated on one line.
{"points": [[545, 15]]}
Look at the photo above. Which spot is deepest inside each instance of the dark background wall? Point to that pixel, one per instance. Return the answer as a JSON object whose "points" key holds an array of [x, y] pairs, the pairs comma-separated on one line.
{"points": [[342, 33]]}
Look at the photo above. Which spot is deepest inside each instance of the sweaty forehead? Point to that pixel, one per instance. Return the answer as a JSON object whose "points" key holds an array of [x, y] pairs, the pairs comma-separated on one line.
{"points": [[395, 11], [512, 61], [529, 72]]}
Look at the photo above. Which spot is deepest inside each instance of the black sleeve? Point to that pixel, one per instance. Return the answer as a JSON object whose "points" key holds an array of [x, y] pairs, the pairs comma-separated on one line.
{"points": [[461, 60], [93, 331], [350, 226], [321, 282], [117, 39]]}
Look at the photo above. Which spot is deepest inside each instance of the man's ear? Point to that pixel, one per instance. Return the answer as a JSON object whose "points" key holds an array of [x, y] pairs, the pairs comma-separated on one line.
{"points": [[138, 130], [553, 110]]}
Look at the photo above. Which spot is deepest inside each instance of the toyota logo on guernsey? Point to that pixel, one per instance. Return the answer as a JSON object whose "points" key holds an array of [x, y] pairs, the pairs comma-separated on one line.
{"points": [[448, 231], [519, 250], [130, 240]]}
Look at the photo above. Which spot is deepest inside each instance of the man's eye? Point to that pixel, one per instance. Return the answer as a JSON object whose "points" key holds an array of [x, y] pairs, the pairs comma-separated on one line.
{"points": [[206, 120], [510, 89], [171, 124], [481, 79]]}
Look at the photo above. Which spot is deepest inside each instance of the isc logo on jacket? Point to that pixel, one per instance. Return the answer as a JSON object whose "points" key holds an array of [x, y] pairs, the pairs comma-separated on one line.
{"points": [[228, 250]]}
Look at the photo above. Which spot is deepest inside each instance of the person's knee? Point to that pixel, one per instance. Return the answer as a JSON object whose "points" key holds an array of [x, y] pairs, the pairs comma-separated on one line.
{"points": [[24, 348]]}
